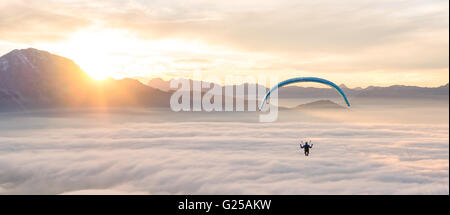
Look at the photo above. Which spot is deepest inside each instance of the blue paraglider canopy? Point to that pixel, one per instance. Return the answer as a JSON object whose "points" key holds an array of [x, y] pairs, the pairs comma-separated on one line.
{"points": [[305, 79]]}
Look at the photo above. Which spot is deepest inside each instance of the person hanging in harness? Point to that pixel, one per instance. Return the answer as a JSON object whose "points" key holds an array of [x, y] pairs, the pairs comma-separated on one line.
{"points": [[306, 147]]}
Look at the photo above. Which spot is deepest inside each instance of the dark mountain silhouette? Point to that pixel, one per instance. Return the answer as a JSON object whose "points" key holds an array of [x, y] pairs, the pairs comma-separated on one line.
{"points": [[33, 78], [321, 104], [30, 78]]}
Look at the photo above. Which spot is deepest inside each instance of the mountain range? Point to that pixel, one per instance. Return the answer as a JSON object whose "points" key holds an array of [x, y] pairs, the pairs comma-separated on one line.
{"points": [[31, 78], [394, 91]]}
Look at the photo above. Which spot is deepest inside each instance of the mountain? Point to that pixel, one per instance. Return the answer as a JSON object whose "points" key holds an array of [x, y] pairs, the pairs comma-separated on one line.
{"points": [[396, 91], [160, 84], [31, 78], [405, 91], [321, 104], [131, 92]]}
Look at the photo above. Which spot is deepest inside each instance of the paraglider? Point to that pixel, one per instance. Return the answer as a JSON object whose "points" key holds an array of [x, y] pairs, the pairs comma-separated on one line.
{"points": [[306, 147], [305, 79]]}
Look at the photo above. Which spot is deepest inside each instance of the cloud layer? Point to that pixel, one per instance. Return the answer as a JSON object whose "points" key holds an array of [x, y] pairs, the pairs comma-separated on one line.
{"points": [[103, 155]]}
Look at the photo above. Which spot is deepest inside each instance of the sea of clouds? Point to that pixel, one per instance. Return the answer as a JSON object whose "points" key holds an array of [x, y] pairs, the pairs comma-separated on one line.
{"points": [[58, 155]]}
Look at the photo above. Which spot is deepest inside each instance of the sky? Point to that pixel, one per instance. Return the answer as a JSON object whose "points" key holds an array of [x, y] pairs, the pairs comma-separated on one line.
{"points": [[357, 43]]}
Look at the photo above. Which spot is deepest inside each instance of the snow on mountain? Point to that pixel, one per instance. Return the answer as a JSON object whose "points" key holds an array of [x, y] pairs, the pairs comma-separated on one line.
{"points": [[36, 78]]}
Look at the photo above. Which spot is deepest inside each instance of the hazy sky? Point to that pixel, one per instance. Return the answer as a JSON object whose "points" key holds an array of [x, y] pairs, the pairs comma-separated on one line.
{"points": [[358, 43]]}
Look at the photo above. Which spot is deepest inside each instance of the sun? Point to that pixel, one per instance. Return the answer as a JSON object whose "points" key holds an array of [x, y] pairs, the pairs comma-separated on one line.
{"points": [[97, 52], [117, 53], [96, 66]]}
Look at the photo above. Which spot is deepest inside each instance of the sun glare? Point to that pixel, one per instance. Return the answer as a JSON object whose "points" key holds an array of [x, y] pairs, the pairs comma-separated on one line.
{"points": [[118, 53], [98, 52], [104, 53]]}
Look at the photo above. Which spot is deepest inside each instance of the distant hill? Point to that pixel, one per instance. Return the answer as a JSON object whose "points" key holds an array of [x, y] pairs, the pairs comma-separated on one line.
{"points": [[321, 104]]}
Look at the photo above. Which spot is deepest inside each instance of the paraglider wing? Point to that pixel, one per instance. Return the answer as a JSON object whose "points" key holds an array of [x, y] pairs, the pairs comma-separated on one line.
{"points": [[305, 79]]}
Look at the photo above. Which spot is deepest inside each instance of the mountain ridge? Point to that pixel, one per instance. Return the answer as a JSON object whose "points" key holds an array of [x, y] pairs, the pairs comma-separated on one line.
{"points": [[31, 78], [370, 91]]}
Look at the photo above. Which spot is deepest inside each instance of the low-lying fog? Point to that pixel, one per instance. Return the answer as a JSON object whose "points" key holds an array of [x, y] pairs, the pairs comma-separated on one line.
{"points": [[386, 146]]}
